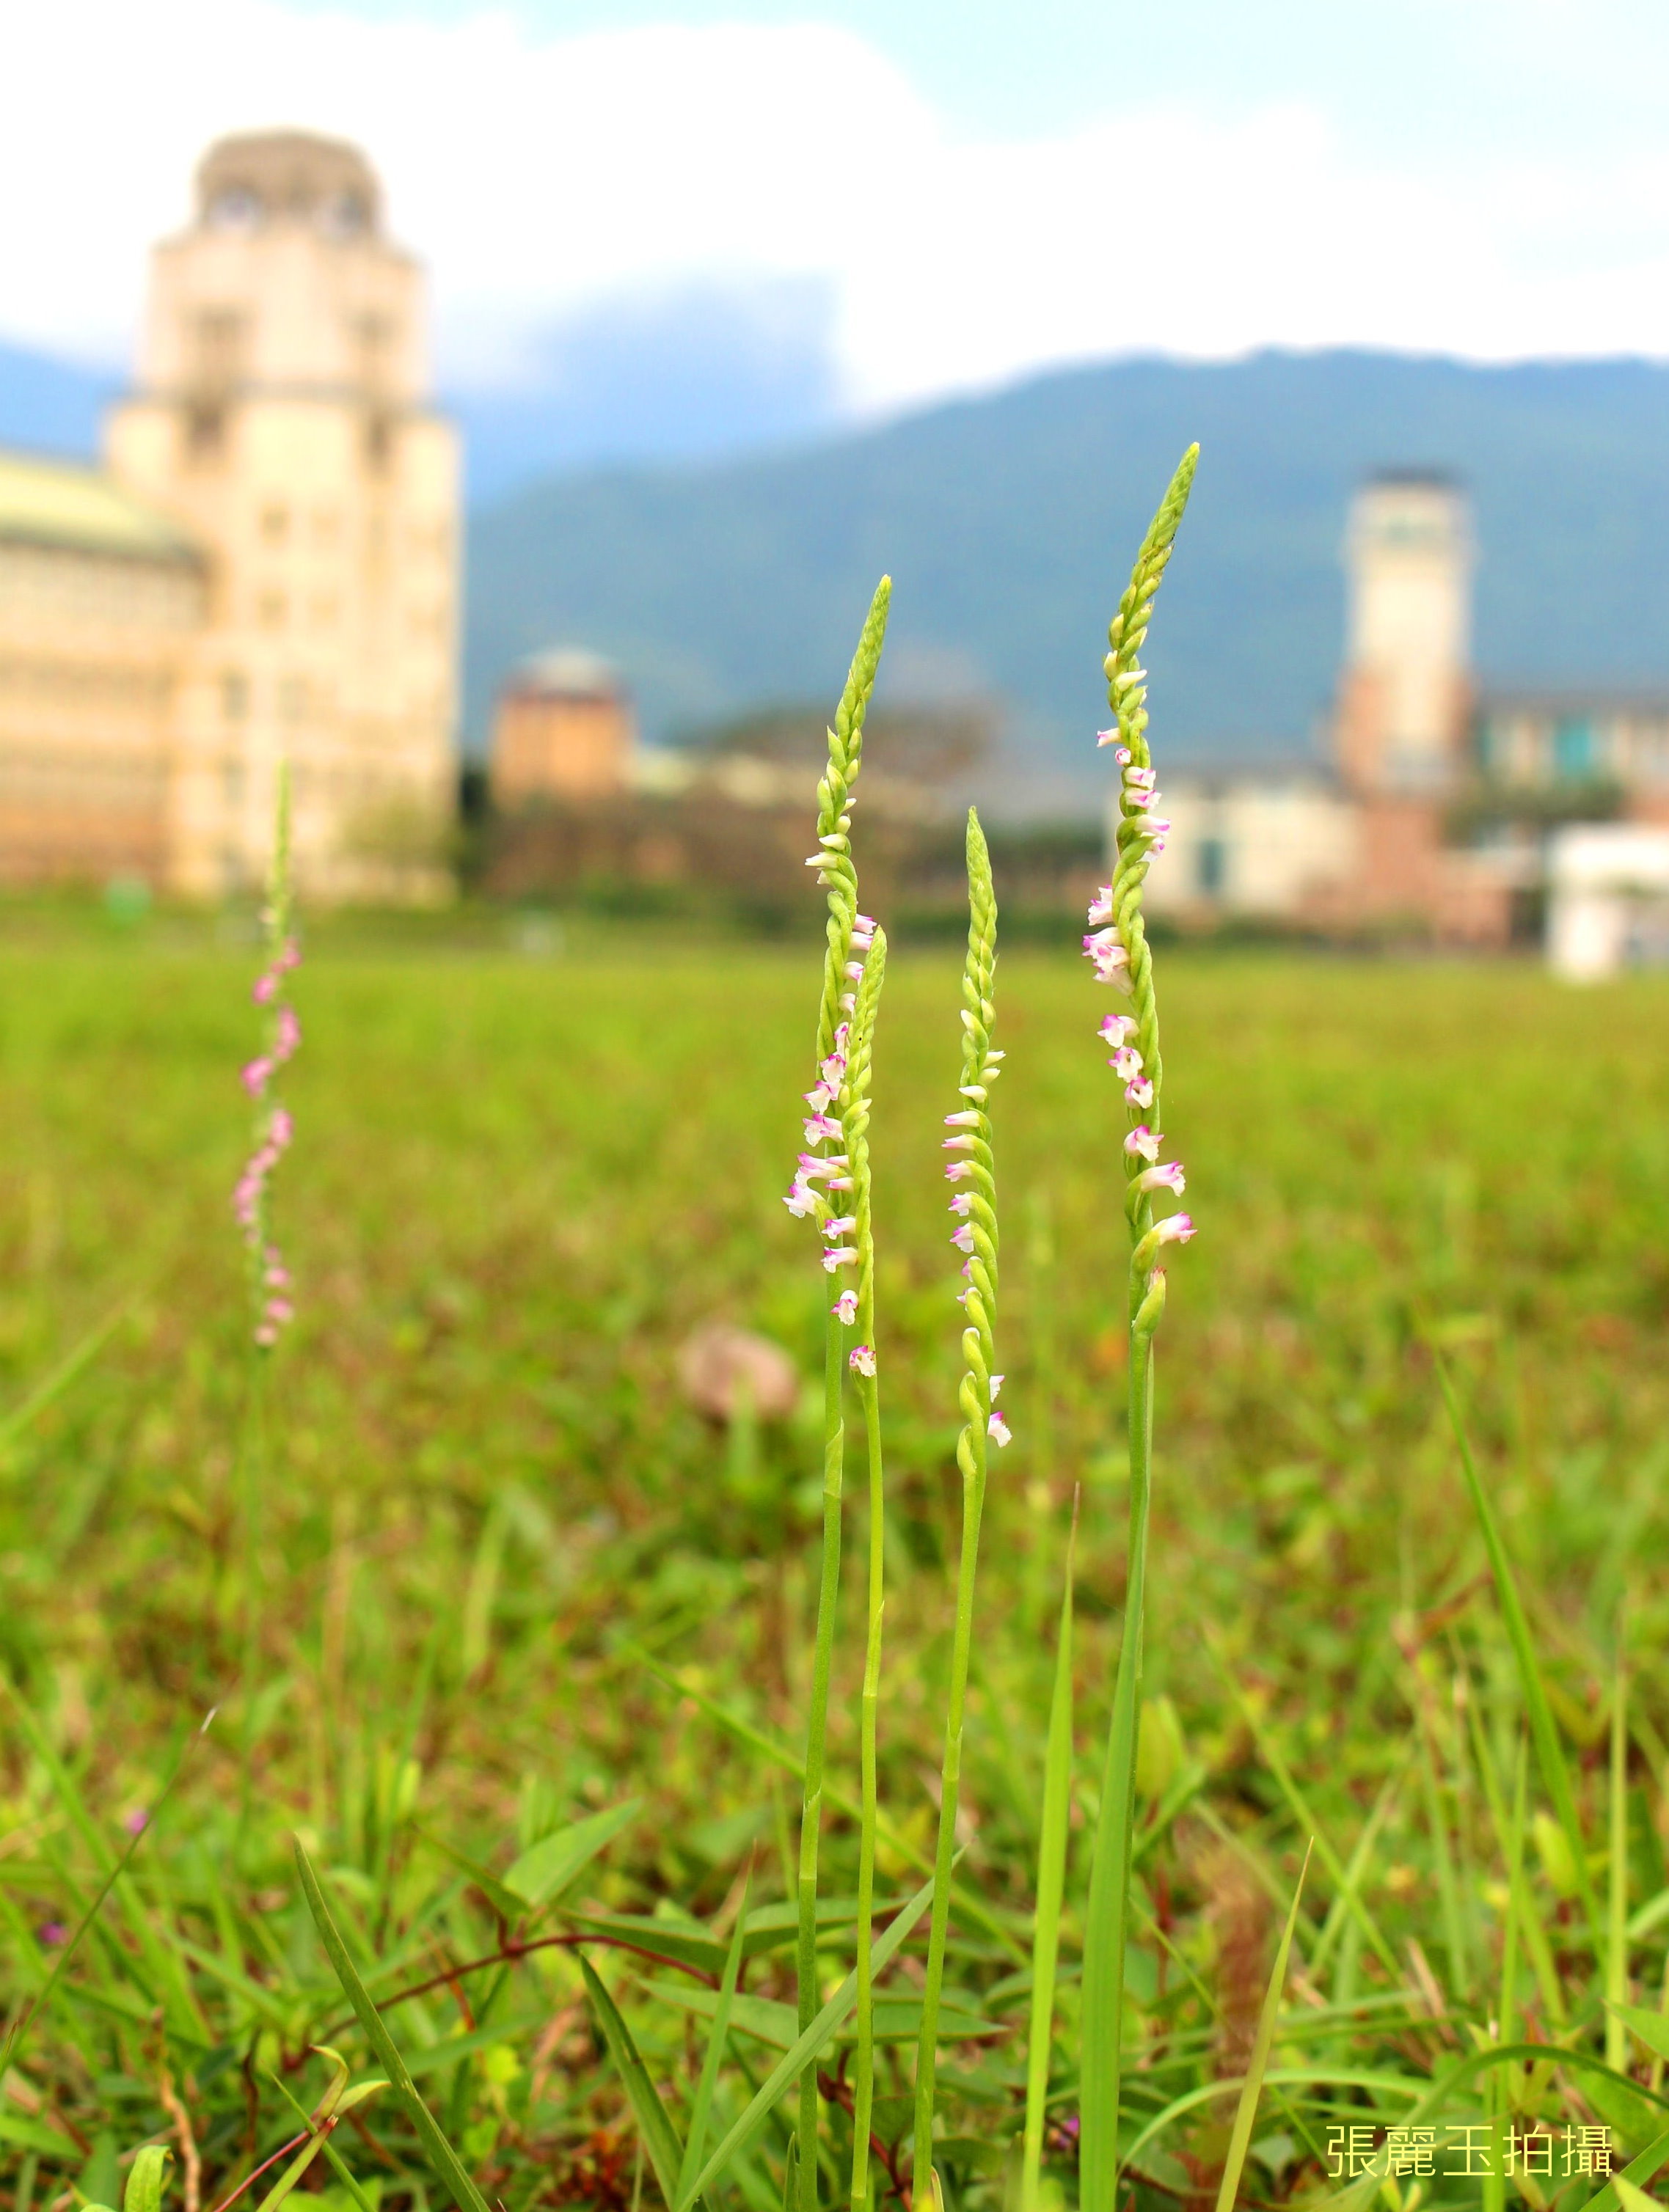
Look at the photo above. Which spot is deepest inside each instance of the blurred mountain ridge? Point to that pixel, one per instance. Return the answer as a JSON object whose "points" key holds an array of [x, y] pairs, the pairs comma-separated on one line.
{"points": [[1009, 522]]}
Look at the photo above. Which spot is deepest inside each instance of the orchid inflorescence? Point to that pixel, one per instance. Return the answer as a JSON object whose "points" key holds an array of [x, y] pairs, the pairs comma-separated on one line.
{"points": [[1116, 944], [274, 1128], [1118, 948]]}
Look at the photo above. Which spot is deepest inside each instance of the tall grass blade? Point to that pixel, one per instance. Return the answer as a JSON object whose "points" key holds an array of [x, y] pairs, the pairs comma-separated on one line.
{"points": [[442, 2156], [52, 1386], [1550, 1755], [667, 2155], [1239, 2140], [695, 2141], [794, 2063], [1051, 1884], [115, 1867], [1617, 1901]]}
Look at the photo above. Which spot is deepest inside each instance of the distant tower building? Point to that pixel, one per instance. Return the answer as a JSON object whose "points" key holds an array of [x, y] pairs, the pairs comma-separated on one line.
{"points": [[1404, 699], [564, 730], [281, 414]]}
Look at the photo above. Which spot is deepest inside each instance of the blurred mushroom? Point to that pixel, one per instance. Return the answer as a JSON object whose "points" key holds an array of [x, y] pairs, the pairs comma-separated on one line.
{"points": [[721, 1367]]}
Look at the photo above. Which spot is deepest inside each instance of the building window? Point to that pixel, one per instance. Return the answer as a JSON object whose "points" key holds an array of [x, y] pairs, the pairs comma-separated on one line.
{"points": [[1573, 748], [1210, 866], [233, 695]]}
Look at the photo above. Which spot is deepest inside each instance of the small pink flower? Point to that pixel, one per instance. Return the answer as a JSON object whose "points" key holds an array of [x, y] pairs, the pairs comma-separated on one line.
{"points": [[289, 1033], [998, 1429], [281, 1128], [962, 1202], [1139, 779], [998, 1381], [962, 1144], [1143, 1142], [1168, 1177], [1100, 907], [802, 1200], [862, 1359], [254, 1074], [962, 1238], [855, 970], [838, 1255], [1126, 1063], [136, 1822], [969, 1118], [815, 1167], [842, 1227], [265, 989], [1111, 960], [1139, 1092], [279, 1310], [275, 1278], [1116, 1028], [845, 1308], [957, 1171], [840, 1183], [820, 1128], [266, 1336], [290, 956], [1107, 737], [819, 1097], [848, 1001], [1175, 1229]]}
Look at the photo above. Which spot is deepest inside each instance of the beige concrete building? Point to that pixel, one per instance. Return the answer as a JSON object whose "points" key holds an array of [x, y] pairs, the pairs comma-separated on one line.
{"points": [[563, 729], [102, 600], [291, 498]]}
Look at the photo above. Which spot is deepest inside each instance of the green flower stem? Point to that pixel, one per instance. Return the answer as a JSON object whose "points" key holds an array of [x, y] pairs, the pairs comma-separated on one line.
{"points": [[1108, 1913], [811, 1814], [979, 1072], [838, 876], [854, 1122]]}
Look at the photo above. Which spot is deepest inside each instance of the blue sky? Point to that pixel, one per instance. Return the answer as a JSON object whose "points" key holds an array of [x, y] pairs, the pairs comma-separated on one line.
{"points": [[890, 200]]}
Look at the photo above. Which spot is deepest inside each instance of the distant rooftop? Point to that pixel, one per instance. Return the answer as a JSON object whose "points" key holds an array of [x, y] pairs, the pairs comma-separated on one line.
{"points": [[49, 502], [566, 671], [262, 177], [1424, 479]]}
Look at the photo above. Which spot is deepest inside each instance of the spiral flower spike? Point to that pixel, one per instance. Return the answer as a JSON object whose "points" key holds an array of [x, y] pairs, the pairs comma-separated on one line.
{"points": [[974, 1204], [832, 1188], [1119, 950]]}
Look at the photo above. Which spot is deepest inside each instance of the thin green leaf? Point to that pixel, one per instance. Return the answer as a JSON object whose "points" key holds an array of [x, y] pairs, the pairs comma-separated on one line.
{"points": [[898, 2020], [545, 1871], [654, 2121], [1616, 1900], [145, 2179], [1247, 2113], [1051, 1884], [1550, 1755], [508, 1904], [968, 1905], [696, 2141], [55, 1383], [442, 2156], [806, 2048]]}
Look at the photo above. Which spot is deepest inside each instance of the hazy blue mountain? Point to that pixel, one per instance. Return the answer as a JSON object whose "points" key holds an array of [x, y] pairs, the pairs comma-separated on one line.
{"points": [[49, 405], [695, 372], [1009, 522]]}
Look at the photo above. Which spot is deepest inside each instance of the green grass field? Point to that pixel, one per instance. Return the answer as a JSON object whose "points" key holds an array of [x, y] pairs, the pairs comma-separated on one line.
{"points": [[518, 1183]]}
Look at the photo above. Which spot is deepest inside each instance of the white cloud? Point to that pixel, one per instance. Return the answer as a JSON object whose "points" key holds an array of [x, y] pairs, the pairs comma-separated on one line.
{"points": [[537, 175]]}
